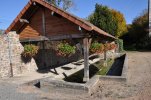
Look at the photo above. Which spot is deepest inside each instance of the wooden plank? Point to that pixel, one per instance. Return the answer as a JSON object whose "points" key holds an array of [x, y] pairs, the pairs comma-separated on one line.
{"points": [[57, 24], [40, 38]]}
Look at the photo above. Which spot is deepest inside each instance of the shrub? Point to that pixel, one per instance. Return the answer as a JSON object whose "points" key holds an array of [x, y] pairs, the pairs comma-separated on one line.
{"points": [[64, 49], [119, 42], [30, 50], [107, 46], [113, 46], [96, 47]]}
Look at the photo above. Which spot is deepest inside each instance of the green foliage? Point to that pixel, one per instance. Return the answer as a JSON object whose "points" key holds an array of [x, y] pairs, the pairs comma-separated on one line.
{"points": [[119, 42], [64, 49], [107, 46], [121, 23], [104, 69], [108, 20], [96, 47], [30, 50], [137, 36], [64, 4], [103, 18]]}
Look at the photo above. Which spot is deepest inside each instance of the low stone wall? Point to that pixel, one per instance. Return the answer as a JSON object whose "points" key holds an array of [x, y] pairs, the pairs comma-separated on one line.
{"points": [[123, 76], [89, 87], [11, 52]]}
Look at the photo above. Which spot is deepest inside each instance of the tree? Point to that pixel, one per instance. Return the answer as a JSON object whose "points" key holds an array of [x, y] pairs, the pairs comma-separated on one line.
{"points": [[64, 4], [1, 31], [121, 23], [137, 35], [103, 18], [109, 20]]}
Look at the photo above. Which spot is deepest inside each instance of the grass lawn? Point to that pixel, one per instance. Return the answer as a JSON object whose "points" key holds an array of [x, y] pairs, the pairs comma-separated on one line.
{"points": [[104, 69]]}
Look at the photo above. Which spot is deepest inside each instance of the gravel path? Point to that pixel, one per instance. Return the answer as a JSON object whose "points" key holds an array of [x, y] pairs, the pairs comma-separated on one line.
{"points": [[137, 87]]}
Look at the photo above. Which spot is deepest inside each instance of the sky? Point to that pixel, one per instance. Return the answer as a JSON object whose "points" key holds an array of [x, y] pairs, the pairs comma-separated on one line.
{"points": [[9, 9]]}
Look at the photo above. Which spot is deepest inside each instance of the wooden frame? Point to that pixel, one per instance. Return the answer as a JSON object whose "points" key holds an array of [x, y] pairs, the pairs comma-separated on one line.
{"points": [[53, 37]]}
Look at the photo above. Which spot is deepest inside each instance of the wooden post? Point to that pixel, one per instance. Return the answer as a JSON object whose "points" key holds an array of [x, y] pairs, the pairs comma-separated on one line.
{"points": [[86, 59], [43, 22], [44, 34], [105, 54]]}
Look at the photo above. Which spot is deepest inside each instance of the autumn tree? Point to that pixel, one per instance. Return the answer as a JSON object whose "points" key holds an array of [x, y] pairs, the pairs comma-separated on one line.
{"points": [[121, 23]]}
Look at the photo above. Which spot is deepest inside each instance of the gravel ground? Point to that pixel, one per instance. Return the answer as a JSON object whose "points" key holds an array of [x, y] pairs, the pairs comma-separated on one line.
{"points": [[137, 87], [9, 92]]}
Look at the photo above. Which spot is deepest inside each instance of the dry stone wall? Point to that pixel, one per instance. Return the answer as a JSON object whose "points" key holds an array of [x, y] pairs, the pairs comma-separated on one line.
{"points": [[11, 52]]}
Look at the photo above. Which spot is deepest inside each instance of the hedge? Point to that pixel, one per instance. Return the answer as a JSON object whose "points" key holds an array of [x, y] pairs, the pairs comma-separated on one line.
{"points": [[119, 42]]}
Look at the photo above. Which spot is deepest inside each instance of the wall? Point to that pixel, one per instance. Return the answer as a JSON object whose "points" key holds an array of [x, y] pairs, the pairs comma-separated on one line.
{"points": [[54, 25], [15, 55]]}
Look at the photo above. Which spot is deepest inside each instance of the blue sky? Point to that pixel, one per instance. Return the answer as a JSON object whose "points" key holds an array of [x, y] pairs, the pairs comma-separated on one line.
{"points": [[9, 9]]}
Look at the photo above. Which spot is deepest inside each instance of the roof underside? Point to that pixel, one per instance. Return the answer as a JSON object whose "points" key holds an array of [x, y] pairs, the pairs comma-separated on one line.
{"points": [[29, 10]]}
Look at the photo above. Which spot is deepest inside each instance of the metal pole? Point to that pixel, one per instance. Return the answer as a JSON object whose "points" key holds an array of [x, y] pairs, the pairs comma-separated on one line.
{"points": [[149, 11], [10, 58]]}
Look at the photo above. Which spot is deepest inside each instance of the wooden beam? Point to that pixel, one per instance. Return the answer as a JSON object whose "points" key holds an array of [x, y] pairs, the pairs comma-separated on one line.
{"points": [[86, 59], [24, 21], [65, 36], [33, 39], [52, 37], [44, 34]]}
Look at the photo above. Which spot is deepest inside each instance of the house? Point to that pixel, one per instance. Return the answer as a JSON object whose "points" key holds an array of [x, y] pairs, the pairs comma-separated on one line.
{"points": [[41, 22]]}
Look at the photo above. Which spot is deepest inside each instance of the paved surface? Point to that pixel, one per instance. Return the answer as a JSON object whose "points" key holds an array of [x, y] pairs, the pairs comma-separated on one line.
{"points": [[137, 87], [62, 72]]}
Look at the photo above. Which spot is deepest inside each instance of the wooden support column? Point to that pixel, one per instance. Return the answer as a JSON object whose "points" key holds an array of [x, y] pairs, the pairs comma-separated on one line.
{"points": [[105, 57], [86, 59], [105, 53], [43, 22], [44, 34]]}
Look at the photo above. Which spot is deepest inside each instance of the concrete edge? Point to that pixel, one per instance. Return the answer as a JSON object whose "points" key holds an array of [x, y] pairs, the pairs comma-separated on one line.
{"points": [[123, 76], [125, 67], [89, 87], [114, 78], [59, 83], [92, 84]]}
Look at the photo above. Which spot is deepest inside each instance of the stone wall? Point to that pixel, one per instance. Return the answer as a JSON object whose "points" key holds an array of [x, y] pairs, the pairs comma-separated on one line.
{"points": [[11, 52]]}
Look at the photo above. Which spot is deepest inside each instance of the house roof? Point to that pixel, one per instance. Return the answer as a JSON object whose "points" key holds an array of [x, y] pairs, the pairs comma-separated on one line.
{"points": [[78, 21]]}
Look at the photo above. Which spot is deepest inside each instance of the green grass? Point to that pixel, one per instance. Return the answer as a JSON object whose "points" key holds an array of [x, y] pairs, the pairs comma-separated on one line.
{"points": [[104, 69], [97, 68]]}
